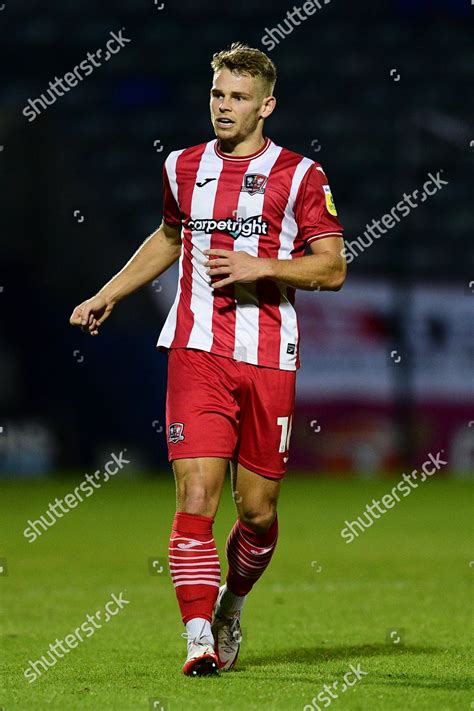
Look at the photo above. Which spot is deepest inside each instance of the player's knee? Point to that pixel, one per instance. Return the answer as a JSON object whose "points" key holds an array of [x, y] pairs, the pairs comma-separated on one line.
{"points": [[197, 499], [199, 506], [259, 520]]}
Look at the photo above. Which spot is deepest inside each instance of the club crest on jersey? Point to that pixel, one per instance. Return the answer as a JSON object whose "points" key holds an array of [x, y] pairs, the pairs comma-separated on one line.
{"points": [[329, 200], [175, 432], [254, 183]]}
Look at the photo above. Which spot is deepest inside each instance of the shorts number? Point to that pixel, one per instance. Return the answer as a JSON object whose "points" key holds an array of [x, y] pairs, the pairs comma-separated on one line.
{"points": [[285, 432]]}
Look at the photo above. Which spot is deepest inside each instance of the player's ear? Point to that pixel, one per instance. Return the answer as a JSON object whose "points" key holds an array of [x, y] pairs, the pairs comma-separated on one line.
{"points": [[269, 104]]}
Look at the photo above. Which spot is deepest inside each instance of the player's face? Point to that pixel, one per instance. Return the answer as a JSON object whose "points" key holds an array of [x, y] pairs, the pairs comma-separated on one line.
{"points": [[237, 105]]}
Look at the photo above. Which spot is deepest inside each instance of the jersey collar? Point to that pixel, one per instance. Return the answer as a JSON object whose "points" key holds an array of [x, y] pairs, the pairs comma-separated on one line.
{"points": [[258, 153]]}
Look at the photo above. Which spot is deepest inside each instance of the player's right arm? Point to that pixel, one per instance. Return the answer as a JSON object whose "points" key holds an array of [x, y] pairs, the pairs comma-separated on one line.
{"points": [[157, 253]]}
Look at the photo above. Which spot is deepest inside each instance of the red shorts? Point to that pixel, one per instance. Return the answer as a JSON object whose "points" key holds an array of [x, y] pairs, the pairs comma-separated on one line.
{"points": [[220, 407]]}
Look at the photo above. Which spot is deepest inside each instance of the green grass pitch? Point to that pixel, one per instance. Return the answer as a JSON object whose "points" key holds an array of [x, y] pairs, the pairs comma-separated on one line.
{"points": [[396, 601]]}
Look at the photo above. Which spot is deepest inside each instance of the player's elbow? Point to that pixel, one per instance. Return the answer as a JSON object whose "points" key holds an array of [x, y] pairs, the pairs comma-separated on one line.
{"points": [[338, 276], [338, 281]]}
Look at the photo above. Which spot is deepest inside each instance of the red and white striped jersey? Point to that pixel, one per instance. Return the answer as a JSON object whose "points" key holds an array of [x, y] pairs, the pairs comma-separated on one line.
{"points": [[269, 204]]}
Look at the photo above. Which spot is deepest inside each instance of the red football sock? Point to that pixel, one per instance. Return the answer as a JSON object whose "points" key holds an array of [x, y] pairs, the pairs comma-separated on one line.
{"points": [[248, 554], [194, 565]]}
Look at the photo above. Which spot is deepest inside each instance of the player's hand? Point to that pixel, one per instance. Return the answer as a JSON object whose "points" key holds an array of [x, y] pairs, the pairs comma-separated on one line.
{"points": [[235, 266], [91, 314]]}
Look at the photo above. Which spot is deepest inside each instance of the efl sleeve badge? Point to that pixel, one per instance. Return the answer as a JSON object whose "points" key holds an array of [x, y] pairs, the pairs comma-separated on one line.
{"points": [[329, 200]]}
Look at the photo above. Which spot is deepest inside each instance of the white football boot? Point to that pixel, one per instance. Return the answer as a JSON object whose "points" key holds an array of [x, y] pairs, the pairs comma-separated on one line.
{"points": [[227, 635], [202, 659]]}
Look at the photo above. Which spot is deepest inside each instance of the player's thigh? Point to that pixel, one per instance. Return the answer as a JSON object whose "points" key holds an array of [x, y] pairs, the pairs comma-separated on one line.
{"points": [[255, 496], [266, 420], [201, 410], [199, 483]]}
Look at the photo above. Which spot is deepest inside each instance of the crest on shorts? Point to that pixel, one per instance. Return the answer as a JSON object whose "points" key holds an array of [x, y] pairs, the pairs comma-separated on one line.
{"points": [[175, 432], [254, 183]]}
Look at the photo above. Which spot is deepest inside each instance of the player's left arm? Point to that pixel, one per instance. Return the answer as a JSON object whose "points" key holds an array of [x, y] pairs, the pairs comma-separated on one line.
{"points": [[319, 226], [316, 217], [323, 270]]}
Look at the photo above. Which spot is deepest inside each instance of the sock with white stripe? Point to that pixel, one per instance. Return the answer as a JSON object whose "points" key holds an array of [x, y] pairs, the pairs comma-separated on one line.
{"points": [[194, 565], [248, 555]]}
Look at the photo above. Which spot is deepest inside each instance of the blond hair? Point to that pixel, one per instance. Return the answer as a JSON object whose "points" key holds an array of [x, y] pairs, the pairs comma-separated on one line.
{"points": [[242, 59]]}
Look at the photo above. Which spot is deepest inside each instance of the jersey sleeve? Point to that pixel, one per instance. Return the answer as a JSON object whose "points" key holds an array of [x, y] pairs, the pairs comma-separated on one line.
{"points": [[315, 211], [171, 211]]}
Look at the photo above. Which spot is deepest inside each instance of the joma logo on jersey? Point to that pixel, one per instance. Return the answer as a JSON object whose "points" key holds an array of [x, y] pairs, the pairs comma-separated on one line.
{"points": [[175, 432], [234, 226], [254, 183]]}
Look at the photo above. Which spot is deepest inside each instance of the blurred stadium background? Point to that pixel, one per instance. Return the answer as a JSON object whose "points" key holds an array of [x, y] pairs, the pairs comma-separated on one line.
{"points": [[81, 188]]}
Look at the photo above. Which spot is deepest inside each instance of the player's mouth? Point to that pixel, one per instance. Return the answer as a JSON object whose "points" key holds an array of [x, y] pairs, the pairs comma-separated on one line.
{"points": [[224, 122]]}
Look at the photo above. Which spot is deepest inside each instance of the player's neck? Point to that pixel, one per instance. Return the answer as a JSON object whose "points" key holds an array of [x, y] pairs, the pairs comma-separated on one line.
{"points": [[247, 147]]}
